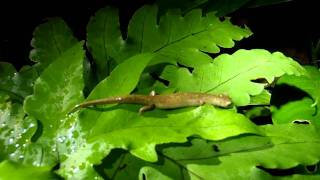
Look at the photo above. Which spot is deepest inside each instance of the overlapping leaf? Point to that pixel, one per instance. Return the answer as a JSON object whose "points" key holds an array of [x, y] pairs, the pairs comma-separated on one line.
{"points": [[104, 39], [125, 128], [304, 109], [50, 40], [300, 110], [282, 147], [16, 130], [121, 126], [13, 171], [171, 38], [233, 74], [56, 92], [122, 80]]}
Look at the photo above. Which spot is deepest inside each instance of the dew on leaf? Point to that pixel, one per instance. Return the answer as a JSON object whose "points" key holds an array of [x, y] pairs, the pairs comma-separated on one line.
{"points": [[31, 125], [10, 141], [61, 139]]}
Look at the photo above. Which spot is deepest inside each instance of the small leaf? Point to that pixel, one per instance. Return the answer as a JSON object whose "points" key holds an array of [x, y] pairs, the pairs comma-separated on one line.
{"points": [[221, 76], [50, 40], [17, 84]]}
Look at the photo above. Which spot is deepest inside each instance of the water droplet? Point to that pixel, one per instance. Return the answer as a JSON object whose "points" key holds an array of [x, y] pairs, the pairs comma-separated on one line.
{"points": [[12, 155], [61, 139], [17, 145], [24, 145], [21, 156], [10, 141], [3, 125], [54, 149], [75, 170], [36, 163], [51, 126], [31, 125]]}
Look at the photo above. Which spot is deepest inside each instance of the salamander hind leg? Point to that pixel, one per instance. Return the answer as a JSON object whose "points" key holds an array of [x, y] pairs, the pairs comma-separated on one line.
{"points": [[146, 108]]}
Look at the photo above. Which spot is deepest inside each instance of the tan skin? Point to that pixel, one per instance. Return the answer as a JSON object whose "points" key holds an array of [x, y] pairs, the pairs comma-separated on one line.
{"points": [[170, 101]]}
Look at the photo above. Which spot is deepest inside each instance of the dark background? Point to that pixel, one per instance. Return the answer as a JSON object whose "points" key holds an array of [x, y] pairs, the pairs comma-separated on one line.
{"points": [[287, 27]]}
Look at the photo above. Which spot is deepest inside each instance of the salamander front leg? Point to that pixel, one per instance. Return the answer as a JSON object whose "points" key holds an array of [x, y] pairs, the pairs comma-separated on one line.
{"points": [[146, 108]]}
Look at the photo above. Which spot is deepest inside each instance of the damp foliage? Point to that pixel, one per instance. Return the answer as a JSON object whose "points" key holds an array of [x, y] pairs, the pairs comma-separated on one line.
{"points": [[167, 50]]}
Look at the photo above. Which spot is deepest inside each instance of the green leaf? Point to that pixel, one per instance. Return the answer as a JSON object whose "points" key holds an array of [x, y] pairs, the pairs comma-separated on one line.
{"points": [[104, 39], [304, 109], [296, 110], [50, 40], [58, 88], [16, 130], [120, 82], [17, 84], [261, 99], [56, 92], [221, 76], [14, 171], [172, 37], [125, 128], [310, 84], [282, 147], [257, 112]]}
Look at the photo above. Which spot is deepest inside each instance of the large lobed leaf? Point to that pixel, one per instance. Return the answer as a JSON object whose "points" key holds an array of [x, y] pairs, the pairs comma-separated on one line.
{"points": [[282, 147], [121, 126], [125, 128], [234, 74], [56, 92], [171, 38], [306, 108], [120, 82]]}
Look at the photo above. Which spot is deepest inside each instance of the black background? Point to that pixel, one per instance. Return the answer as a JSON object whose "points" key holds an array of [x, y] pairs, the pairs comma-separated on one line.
{"points": [[287, 27]]}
